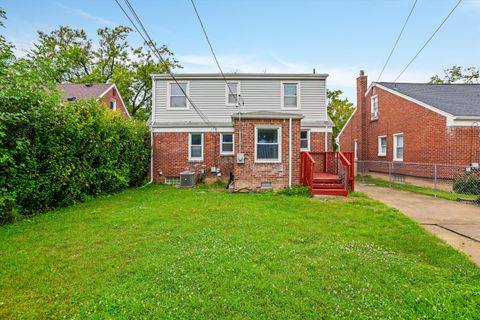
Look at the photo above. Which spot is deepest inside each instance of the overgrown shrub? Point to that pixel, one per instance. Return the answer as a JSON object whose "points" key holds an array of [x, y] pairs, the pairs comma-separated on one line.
{"points": [[54, 154], [297, 190], [467, 184]]}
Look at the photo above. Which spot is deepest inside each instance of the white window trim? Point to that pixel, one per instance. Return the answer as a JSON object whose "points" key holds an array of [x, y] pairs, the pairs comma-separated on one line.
{"points": [[380, 153], [190, 158], [227, 91], [308, 140], [395, 158], [114, 105], [229, 153], [279, 135], [372, 116], [299, 104], [187, 104]]}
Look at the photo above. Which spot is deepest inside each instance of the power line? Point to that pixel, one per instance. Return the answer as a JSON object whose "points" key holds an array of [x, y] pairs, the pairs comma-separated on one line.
{"points": [[398, 39], [155, 50], [211, 47], [429, 39]]}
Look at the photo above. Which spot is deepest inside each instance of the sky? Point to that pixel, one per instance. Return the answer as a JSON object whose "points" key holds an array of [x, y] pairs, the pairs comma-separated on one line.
{"points": [[338, 37]]}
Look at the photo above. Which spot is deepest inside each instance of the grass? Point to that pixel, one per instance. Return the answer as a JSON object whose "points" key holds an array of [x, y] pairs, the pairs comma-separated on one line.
{"points": [[416, 189], [166, 253]]}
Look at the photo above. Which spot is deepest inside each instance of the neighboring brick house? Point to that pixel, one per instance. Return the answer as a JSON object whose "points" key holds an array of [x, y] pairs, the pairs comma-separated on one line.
{"points": [[107, 93], [258, 140], [414, 122]]}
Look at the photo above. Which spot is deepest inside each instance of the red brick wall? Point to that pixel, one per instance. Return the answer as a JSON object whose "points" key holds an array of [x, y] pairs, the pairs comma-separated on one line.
{"points": [[113, 95], [427, 139], [250, 175], [170, 154]]}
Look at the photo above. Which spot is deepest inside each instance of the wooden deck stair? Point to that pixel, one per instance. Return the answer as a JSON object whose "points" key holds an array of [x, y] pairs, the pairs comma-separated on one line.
{"points": [[337, 178], [328, 184]]}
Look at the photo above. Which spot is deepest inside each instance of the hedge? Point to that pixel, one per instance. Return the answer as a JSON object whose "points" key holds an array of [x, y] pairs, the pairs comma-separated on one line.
{"points": [[54, 154]]}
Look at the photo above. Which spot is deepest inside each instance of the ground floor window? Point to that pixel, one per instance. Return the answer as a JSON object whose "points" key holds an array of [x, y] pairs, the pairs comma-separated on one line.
{"points": [[195, 146], [382, 146], [305, 140], [398, 147], [267, 144], [226, 143]]}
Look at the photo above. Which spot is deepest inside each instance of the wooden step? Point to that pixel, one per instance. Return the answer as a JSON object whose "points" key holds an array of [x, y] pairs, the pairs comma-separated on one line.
{"points": [[326, 180], [330, 192], [328, 186]]}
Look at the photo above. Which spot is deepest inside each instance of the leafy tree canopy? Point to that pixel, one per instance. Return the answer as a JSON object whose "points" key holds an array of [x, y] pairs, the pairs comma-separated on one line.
{"points": [[338, 110], [458, 74], [69, 55]]}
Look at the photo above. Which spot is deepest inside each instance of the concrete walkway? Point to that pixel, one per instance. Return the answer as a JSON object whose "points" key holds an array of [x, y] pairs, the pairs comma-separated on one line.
{"points": [[456, 223]]}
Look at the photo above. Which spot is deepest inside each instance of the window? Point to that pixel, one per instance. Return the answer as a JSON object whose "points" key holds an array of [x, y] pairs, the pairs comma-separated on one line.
{"points": [[232, 92], [195, 147], [398, 147], [382, 146], [290, 95], [267, 145], [374, 107], [226, 144], [176, 95], [113, 105], [305, 140]]}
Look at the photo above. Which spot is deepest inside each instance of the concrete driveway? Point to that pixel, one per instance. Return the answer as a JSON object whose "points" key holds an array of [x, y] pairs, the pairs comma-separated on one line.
{"points": [[456, 223]]}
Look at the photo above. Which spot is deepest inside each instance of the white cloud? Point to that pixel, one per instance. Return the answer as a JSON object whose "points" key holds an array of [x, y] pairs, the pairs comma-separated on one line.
{"points": [[84, 14]]}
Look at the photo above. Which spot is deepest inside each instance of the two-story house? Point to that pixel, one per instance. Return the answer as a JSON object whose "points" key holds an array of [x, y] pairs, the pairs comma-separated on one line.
{"points": [[415, 123], [252, 130]]}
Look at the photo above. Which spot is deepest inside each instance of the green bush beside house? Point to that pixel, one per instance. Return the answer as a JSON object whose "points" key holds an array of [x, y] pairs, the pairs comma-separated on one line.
{"points": [[54, 154]]}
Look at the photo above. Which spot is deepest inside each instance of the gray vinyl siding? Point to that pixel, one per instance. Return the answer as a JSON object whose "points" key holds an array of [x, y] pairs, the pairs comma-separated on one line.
{"points": [[258, 95]]}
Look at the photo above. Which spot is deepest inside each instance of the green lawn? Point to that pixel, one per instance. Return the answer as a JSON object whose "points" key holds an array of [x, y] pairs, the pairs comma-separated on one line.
{"points": [[165, 253], [416, 189]]}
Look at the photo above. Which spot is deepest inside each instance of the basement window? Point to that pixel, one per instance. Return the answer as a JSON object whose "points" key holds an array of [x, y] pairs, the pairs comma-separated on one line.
{"points": [[172, 180], [266, 185]]}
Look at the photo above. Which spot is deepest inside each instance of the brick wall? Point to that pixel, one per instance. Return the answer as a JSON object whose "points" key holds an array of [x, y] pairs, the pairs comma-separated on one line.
{"points": [[250, 175], [170, 154], [113, 95], [427, 139]]}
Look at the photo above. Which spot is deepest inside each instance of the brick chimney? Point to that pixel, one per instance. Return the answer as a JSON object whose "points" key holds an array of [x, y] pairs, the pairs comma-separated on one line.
{"points": [[362, 108]]}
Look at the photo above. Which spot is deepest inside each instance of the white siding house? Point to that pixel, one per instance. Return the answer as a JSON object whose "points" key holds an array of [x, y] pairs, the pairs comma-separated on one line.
{"points": [[259, 92]]}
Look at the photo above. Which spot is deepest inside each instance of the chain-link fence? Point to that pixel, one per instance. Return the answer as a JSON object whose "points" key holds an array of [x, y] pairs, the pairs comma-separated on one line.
{"points": [[453, 181]]}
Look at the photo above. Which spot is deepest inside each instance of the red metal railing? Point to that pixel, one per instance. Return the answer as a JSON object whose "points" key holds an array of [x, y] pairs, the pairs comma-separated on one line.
{"points": [[338, 163]]}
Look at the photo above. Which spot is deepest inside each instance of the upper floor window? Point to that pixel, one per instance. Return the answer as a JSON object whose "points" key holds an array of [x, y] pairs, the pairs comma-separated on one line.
{"points": [[398, 147], [226, 143], [113, 105], [195, 147], [267, 144], [374, 107], [177, 98], [305, 140], [232, 91], [290, 95], [382, 146]]}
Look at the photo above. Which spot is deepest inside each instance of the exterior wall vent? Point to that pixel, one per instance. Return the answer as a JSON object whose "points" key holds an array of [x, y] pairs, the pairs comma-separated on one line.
{"points": [[187, 179]]}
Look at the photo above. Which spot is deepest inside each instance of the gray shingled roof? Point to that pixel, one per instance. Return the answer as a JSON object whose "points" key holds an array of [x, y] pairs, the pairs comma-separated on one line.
{"points": [[82, 91], [456, 99]]}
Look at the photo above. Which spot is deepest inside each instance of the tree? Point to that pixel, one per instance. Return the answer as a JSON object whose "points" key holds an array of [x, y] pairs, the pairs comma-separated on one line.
{"points": [[339, 110], [458, 74], [68, 55]]}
